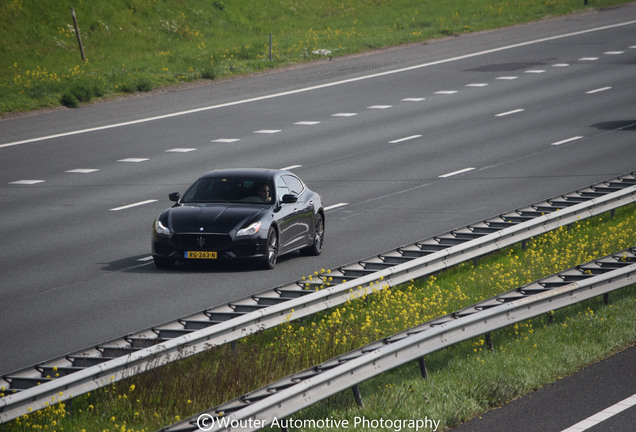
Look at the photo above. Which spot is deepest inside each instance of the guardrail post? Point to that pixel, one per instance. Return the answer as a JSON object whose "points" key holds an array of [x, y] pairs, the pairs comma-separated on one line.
{"points": [[606, 299], [423, 369], [357, 395], [489, 343]]}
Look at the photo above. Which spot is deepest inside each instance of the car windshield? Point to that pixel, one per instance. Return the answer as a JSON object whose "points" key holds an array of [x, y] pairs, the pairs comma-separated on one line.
{"points": [[229, 190]]}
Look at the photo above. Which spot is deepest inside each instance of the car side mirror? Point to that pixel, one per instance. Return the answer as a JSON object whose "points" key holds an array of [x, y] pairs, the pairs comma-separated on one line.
{"points": [[289, 199], [174, 196]]}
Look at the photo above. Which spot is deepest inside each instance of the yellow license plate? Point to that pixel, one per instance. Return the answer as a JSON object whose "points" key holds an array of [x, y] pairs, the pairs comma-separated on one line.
{"points": [[200, 255]]}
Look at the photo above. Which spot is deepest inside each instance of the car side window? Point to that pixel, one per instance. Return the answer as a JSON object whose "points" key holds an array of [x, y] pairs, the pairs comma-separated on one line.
{"points": [[295, 185], [281, 188]]}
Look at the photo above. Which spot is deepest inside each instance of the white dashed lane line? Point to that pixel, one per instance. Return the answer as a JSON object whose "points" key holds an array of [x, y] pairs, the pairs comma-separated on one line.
{"points": [[405, 139], [137, 204], [82, 170], [27, 182], [268, 131], [180, 150], [226, 140], [344, 115], [565, 141], [454, 173], [291, 167], [335, 206], [598, 90], [307, 123], [507, 113], [133, 160], [446, 92]]}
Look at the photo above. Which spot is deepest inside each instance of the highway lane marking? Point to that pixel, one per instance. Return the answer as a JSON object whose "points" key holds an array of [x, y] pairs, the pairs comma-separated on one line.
{"points": [[404, 139], [535, 71], [454, 173], [180, 150], [576, 138], [598, 90], [588, 59], [413, 99], [144, 259], [82, 170], [335, 206], [560, 65], [477, 85], [307, 123], [344, 115], [507, 113], [446, 92], [614, 52], [133, 160], [322, 86], [137, 204], [291, 167], [27, 182], [507, 78], [601, 416], [379, 107], [226, 140], [268, 131]]}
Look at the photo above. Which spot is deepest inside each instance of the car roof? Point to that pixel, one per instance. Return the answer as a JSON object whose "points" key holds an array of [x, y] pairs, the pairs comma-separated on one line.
{"points": [[245, 172]]}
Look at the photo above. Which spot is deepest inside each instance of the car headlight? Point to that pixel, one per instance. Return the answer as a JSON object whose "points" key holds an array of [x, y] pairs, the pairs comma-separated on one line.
{"points": [[250, 230], [161, 229]]}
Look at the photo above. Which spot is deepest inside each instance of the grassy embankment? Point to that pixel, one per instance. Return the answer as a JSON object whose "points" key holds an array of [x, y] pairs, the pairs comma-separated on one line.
{"points": [[140, 45], [465, 379]]}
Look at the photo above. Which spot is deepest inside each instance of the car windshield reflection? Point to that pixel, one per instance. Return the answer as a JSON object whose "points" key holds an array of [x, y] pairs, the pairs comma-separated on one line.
{"points": [[229, 190]]}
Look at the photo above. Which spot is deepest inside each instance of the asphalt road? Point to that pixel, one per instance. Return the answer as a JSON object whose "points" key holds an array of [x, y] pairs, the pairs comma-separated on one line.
{"points": [[601, 397], [404, 143]]}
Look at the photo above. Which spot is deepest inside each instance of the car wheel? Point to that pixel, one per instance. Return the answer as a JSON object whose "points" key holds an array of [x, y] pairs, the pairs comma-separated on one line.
{"points": [[163, 263], [319, 237], [271, 253]]}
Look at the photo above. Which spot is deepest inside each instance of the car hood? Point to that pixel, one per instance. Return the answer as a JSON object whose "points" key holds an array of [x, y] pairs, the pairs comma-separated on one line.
{"points": [[213, 218]]}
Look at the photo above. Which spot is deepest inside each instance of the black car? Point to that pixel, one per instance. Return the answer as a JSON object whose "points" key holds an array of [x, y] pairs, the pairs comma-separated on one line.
{"points": [[256, 214]]}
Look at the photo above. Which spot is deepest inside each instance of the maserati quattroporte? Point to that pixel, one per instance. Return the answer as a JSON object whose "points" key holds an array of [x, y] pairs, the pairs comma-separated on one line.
{"points": [[250, 214]]}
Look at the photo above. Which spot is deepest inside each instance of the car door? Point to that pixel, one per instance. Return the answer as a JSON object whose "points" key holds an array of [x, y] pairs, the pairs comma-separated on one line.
{"points": [[303, 211], [285, 217]]}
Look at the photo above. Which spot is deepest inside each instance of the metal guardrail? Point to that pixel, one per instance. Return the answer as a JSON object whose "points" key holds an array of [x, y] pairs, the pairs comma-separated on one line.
{"points": [[258, 409], [81, 372]]}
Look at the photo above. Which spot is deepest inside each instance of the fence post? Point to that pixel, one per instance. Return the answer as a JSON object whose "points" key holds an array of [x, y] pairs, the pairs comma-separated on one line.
{"points": [[423, 369], [357, 395], [77, 33]]}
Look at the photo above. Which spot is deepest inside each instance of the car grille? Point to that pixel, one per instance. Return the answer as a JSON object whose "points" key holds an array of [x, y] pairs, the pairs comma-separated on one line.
{"points": [[207, 242]]}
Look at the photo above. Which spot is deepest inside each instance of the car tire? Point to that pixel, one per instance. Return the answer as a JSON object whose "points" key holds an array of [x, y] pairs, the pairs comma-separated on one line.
{"points": [[163, 263], [271, 251], [319, 238]]}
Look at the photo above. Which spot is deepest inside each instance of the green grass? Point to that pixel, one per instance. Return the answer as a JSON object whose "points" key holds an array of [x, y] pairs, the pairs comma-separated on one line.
{"points": [[466, 379], [139, 45]]}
